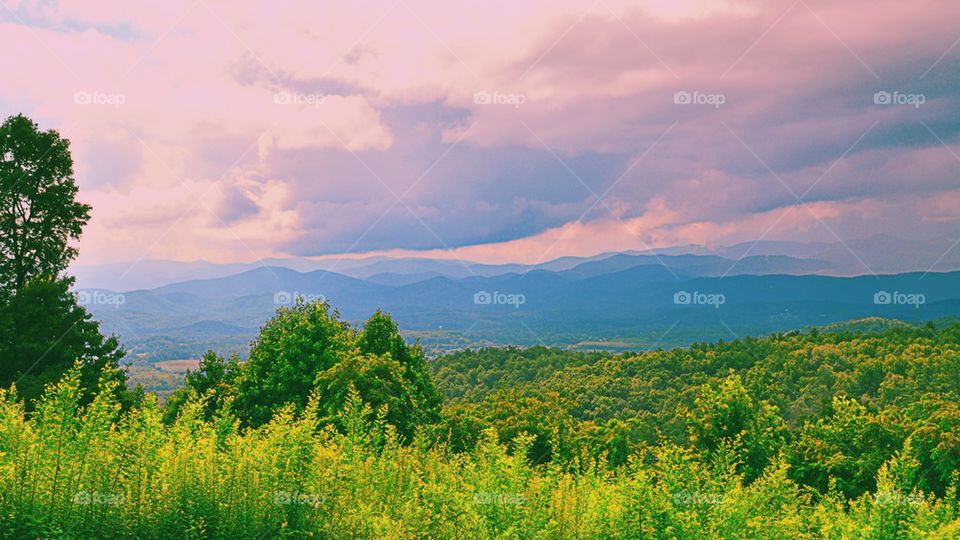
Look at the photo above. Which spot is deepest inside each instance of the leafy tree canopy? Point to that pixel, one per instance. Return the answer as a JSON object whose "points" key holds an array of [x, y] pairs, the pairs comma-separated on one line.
{"points": [[308, 346], [39, 214]]}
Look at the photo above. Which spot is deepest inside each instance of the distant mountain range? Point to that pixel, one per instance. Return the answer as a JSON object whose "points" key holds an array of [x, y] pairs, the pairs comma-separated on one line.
{"points": [[877, 254], [616, 301]]}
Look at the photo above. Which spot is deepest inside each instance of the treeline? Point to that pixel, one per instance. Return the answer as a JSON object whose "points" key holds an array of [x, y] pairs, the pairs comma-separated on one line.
{"points": [[835, 406]]}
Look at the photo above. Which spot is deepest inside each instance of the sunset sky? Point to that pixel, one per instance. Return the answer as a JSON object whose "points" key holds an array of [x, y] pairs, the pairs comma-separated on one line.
{"points": [[494, 131]]}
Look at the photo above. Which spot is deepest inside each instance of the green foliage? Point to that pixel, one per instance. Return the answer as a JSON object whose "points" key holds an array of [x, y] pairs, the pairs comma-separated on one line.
{"points": [[381, 336], [332, 432], [215, 380], [728, 416], [846, 448], [936, 440], [39, 215], [43, 331], [307, 347], [837, 404], [378, 380], [293, 347]]}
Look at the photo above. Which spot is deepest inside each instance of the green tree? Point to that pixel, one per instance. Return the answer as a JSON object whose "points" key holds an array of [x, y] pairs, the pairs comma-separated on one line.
{"points": [[936, 440], [381, 336], [545, 417], [215, 378], [39, 214], [378, 380], [307, 346], [43, 331], [293, 347], [847, 447], [387, 371], [727, 416]]}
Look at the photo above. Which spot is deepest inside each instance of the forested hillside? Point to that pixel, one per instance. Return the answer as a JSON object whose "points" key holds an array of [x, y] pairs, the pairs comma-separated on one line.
{"points": [[836, 404]]}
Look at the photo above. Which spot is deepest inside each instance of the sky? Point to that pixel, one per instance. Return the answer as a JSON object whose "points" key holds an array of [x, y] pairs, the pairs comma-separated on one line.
{"points": [[495, 131]]}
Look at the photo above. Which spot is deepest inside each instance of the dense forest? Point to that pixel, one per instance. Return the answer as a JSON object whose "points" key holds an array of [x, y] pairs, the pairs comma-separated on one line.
{"points": [[835, 405]]}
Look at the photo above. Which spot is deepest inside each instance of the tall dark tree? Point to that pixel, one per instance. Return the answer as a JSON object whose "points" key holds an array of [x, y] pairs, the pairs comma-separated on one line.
{"points": [[43, 328], [39, 213], [44, 331]]}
